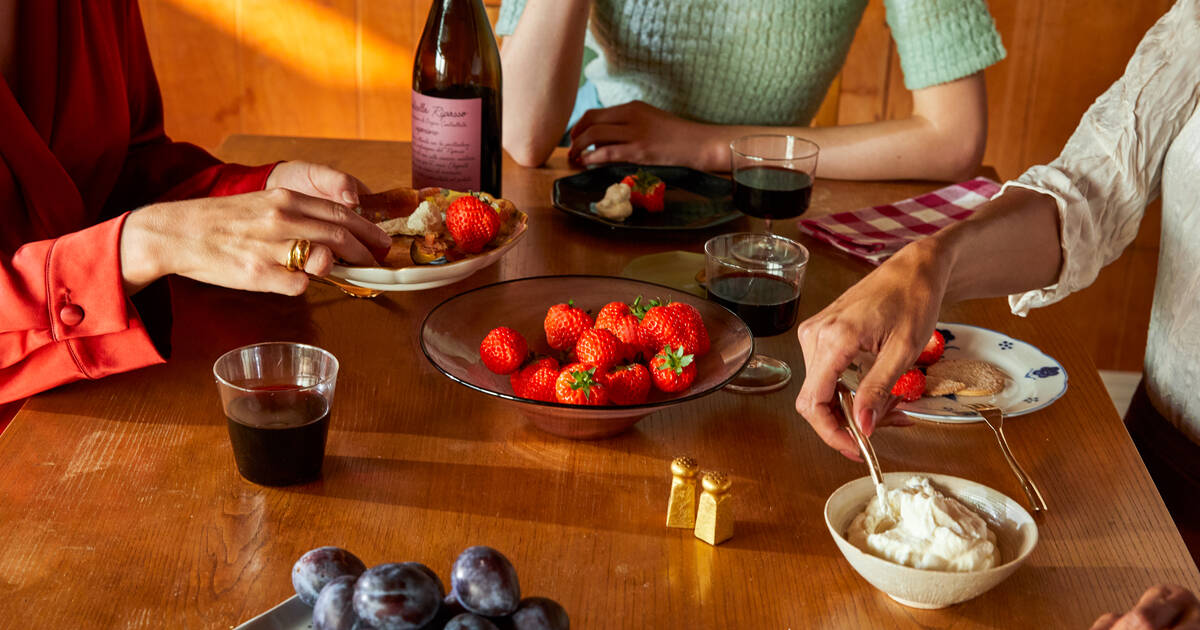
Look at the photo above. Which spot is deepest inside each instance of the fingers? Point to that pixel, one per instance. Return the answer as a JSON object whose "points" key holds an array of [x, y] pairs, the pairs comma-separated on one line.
{"points": [[320, 260], [611, 153], [347, 234], [618, 114], [874, 396], [332, 184], [1160, 607], [598, 135], [824, 361], [1105, 622]]}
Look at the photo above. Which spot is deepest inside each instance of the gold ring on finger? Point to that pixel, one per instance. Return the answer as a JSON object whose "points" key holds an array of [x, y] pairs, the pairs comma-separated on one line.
{"points": [[298, 256]]}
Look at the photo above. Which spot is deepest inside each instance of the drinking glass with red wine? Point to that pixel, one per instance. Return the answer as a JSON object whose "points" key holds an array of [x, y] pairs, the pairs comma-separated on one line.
{"points": [[758, 277], [772, 175], [276, 397]]}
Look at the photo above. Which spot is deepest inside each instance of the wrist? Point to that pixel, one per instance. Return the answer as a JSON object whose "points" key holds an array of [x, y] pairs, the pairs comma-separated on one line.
{"points": [[141, 259], [715, 155]]}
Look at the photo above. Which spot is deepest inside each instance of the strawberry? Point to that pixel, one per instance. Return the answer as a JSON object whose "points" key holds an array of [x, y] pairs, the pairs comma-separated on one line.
{"points": [[503, 350], [628, 384], [697, 332], [564, 323], [472, 223], [672, 370], [610, 312], [536, 380], [600, 348], [647, 191], [577, 384], [933, 350], [910, 386], [665, 326]]}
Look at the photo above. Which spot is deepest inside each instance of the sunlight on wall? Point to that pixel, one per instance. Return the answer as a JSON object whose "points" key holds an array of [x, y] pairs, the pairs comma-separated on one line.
{"points": [[301, 37]]}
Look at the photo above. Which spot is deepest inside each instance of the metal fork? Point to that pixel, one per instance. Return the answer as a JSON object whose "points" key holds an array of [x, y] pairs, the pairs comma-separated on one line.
{"points": [[995, 419]]}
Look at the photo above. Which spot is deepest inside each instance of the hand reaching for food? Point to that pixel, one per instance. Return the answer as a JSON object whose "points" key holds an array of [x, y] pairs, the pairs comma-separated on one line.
{"points": [[890, 314], [245, 241]]}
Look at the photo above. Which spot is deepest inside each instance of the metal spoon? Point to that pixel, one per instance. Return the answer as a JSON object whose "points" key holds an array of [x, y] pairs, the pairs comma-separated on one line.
{"points": [[846, 400]]}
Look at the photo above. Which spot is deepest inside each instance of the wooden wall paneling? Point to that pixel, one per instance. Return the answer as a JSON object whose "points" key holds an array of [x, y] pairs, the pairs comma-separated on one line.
{"points": [[300, 67], [391, 31], [196, 56], [1008, 85], [864, 75]]}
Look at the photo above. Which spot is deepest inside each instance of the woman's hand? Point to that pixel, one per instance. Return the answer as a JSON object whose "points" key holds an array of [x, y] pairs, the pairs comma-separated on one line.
{"points": [[317, 180], [1161, 607], [890, 314], [243, 241], [644, 134]]}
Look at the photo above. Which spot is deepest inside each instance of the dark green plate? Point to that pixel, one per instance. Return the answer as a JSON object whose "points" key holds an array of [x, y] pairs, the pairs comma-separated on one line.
{"points": [[695, 200]]}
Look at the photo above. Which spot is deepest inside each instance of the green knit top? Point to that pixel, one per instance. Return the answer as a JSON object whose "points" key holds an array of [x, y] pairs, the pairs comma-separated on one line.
{"points": [[764, 62]]}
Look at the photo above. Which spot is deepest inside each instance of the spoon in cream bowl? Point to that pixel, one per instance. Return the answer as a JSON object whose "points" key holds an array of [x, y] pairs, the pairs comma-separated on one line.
{"points": [[846, 400]]}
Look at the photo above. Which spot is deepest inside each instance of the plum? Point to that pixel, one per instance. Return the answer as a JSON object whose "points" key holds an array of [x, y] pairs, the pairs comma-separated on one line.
{"points": [[320, 566], [334, 608], [485, 582], [434, 576], [467, 621], [539, 613], [396, 596]]}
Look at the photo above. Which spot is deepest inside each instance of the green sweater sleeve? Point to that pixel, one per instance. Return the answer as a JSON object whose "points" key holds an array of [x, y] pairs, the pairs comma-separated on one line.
{"points": [[510, 12], [941, 40]]}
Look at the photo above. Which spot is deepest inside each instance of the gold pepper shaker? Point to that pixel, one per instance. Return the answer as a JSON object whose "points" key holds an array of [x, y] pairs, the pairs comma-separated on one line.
{"points": [[681, 511], [714, 523]]}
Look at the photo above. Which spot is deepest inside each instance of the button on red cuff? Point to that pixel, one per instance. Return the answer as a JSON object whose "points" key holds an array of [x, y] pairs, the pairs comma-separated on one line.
{"points": [[70, 315]]}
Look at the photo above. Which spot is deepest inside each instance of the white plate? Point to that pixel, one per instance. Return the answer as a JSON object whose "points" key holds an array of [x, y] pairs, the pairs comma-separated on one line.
{"points": [[421, 277], [291, 614], [1035, 378]]}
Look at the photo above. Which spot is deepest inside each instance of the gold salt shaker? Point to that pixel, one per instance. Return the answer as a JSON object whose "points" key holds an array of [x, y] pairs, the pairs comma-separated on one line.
{"points": [[714, 522], [681, 510]]}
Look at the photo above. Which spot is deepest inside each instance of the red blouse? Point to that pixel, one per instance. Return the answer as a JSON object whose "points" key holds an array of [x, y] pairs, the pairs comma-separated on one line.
{"points": [[82, 144]]}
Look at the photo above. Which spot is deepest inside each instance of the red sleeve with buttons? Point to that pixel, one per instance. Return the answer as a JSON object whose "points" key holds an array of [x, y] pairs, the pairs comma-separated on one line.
{"points": [[83, 144]]}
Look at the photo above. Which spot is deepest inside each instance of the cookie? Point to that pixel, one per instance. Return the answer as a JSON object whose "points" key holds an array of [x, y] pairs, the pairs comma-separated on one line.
{"points": [[941, 386], [979, 378]]}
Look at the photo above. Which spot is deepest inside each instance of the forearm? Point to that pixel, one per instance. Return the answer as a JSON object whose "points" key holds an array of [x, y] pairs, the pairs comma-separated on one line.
{"points": [[542, 60], [1011, 244], [943, 139]]}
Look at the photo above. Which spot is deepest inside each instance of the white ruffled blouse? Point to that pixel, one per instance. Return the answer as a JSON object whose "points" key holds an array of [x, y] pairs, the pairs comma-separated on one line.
{"points": [[1140, 139]]}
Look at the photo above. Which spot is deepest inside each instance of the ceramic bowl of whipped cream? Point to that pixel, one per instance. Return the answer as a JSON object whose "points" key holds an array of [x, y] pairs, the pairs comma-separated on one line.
{"points": [[939, 541]]}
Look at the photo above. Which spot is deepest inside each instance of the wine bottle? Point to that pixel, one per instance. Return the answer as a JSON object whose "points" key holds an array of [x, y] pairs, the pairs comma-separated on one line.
{"points": [[456, 100]]}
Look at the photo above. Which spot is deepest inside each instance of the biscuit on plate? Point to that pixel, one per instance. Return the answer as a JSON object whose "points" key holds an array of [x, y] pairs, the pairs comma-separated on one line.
{"points": [[935, 386], [979, 378]]}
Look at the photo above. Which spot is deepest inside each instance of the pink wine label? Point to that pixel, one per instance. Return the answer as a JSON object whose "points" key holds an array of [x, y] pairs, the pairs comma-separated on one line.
{"points": [[446, 139]]}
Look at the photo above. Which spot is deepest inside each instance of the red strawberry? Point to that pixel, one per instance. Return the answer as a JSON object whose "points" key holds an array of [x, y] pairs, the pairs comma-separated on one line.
{"points": [[503, 350], [472, 222], [610, 312], [646, 191], [536, 380], [667, 327], [628, 384], [564, 323], [697, 331], [627, 330], [910, 386], [578, 384], [672, 370], [600, 348], [933, 350]]}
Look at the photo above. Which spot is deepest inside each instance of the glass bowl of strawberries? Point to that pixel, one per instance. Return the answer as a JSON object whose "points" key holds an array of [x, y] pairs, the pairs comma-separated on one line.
{"points": [[586, 356]]}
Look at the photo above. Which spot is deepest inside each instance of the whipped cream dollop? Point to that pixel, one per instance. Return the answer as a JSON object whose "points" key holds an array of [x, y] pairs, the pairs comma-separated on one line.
{"points": [[925, 529]]}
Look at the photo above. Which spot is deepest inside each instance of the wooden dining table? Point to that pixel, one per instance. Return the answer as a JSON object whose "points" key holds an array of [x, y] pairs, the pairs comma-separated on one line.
{"points": [[121, 507]]}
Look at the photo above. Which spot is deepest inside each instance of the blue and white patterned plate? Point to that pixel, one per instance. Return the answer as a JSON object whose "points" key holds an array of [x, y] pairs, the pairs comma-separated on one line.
{"points": [[1035, 378]]}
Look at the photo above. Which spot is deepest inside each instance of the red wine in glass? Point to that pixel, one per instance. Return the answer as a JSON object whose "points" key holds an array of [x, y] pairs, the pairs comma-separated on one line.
{"points": [[767, 303], [278, 434], [771, 192]]}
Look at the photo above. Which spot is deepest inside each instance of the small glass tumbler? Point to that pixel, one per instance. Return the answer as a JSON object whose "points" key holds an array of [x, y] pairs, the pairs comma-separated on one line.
{"points": [[758, 277], [276, 397]]}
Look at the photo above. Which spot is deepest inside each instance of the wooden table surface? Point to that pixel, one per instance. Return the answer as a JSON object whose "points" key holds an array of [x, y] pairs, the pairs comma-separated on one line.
{"points": [[120, 505]]}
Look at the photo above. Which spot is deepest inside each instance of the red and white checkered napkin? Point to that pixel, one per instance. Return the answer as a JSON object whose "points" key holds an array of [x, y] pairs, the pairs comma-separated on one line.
{"points": [[876, 233]]}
